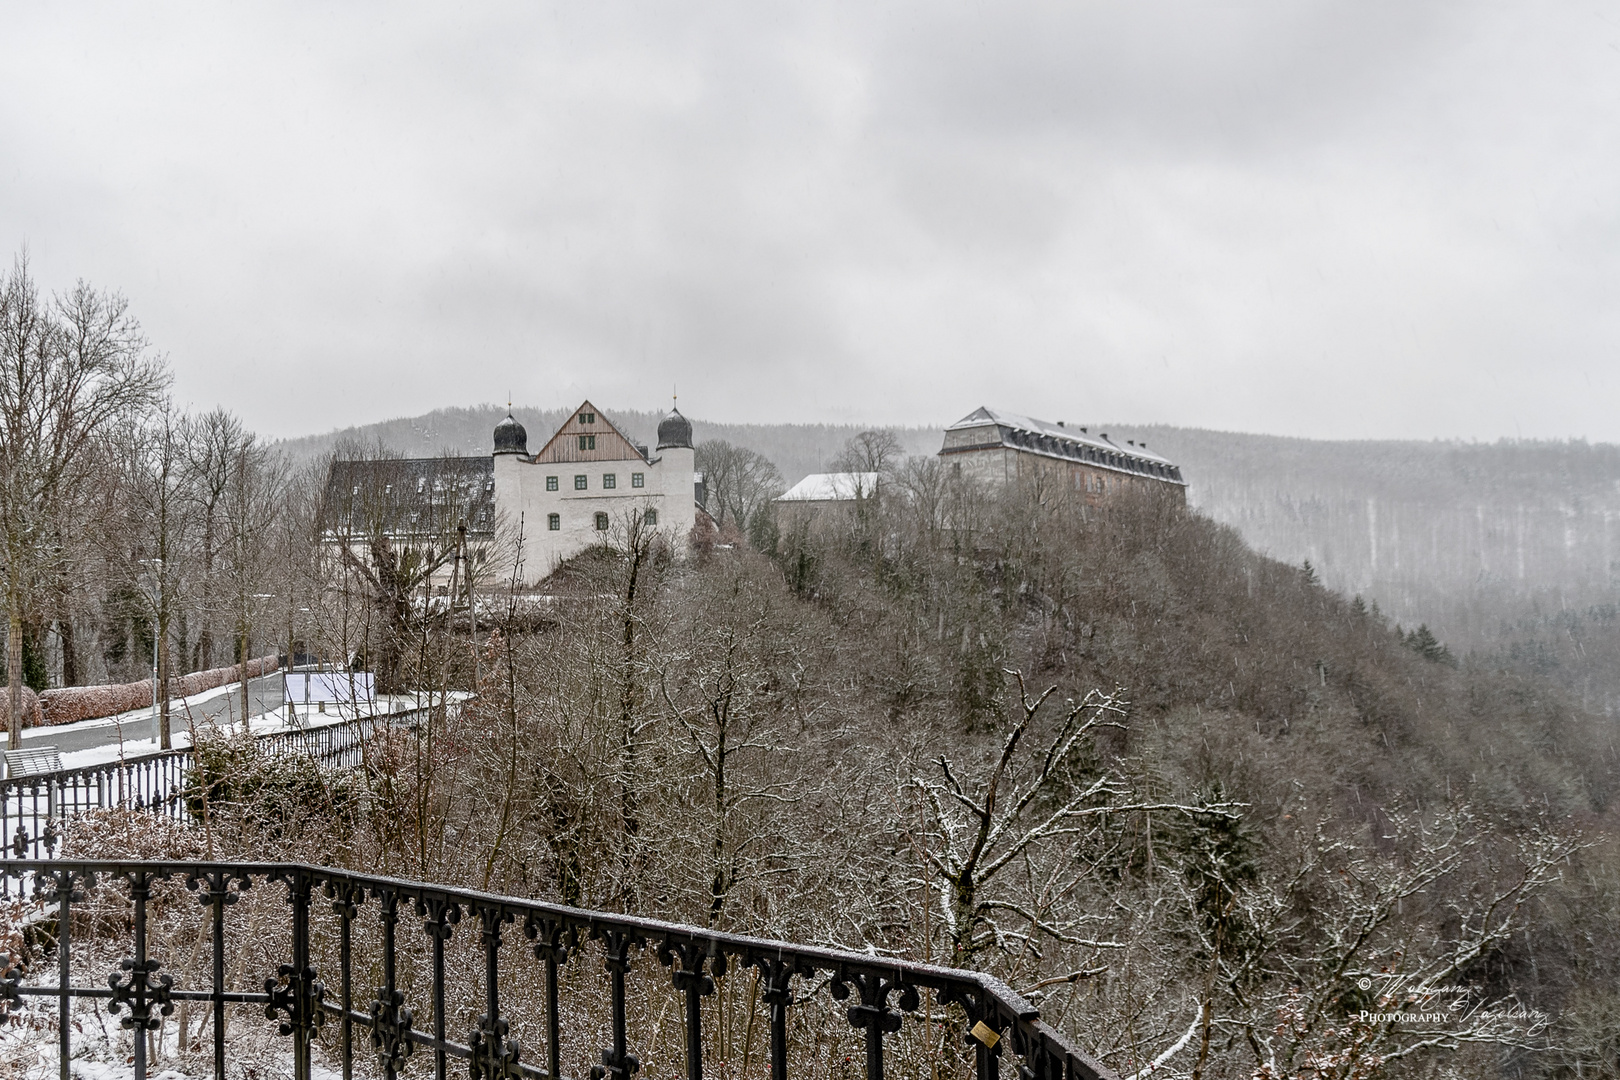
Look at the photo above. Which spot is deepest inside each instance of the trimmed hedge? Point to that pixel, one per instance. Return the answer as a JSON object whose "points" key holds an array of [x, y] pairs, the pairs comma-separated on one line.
{"points": [[74, 703], [30, 706]]}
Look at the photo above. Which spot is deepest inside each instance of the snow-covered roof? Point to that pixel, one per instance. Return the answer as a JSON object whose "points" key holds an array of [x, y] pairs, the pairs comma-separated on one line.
{"points": [[831, 487], [1060, 440]]}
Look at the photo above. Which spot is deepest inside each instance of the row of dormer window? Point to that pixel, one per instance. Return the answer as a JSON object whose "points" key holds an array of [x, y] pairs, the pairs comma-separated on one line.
{"points": [[610, 481], [1050, 444], [600, 521], [438, 485]]}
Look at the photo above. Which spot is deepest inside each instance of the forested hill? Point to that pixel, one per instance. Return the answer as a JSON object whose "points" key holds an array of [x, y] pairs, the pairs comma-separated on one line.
{"points": [[1508, 546], [795, 449], [1511, 546]]}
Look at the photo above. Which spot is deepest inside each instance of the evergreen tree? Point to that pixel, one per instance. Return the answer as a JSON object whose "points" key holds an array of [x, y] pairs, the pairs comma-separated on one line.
{"points": [[1423, 642]]}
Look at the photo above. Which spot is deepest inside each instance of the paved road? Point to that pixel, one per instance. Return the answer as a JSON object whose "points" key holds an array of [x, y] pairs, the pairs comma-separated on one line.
{"points": [[263, 694]]}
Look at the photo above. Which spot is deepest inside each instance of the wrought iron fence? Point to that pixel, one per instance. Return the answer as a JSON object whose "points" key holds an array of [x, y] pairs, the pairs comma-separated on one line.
{"points": [[33, 807], [917, 1017]]}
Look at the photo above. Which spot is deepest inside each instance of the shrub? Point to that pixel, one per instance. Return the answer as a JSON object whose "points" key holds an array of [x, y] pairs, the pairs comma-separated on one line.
{"points": [[74, 703], [30, 706], [274, 792]]}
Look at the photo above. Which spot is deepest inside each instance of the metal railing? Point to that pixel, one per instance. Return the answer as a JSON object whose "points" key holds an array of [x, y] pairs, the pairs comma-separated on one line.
{"points": [[906, 1014], [33, 807]]}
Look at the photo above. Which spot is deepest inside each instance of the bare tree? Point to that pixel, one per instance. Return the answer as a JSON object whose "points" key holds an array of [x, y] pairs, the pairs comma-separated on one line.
{"points": [[213, 444], [1396, 941], [395, 525], [68, 369], [874, 451], [1025, 800], [739, 482], [720, 682], [253, 500], [154, 542], [633, 546]]}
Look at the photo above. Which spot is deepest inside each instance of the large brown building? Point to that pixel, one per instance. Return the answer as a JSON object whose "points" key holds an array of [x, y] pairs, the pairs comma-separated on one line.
{"points": [[1002, 448]]}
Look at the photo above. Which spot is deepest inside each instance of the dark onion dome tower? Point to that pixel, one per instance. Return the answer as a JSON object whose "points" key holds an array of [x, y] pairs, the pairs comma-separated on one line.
{"points": [[510, 438], [675, 431]]}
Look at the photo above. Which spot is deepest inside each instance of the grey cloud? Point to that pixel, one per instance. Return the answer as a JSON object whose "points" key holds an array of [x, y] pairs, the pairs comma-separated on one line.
{"points": [[1309, 218]]}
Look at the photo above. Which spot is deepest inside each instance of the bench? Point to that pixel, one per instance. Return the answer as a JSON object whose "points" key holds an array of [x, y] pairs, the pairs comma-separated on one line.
{"points": [[43, 759]]}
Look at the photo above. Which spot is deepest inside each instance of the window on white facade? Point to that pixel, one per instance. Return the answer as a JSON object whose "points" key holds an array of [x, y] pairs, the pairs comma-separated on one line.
{"points": [[601, 522], [652, 517], [638, 479], [610, 480], [554, 522], [551, 483], [580, 482]]}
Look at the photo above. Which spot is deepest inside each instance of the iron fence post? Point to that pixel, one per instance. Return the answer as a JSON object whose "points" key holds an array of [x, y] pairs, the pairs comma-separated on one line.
{"points": [[441, 914], [346, 898], [552, 941], [390, 1020], [776, 977], [617, 1061]]}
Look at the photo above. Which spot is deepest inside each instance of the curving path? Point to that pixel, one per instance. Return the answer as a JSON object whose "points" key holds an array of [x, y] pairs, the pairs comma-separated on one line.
{"points": [[264, 694]]}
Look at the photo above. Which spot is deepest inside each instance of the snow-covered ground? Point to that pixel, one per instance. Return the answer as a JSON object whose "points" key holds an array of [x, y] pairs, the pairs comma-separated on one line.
{"points": [[131, 771], [122, 743], [103, 1050]]}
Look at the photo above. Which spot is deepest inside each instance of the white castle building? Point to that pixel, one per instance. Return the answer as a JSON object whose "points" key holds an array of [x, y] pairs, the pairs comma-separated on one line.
{"points": [[584, 487], [589, 480]]}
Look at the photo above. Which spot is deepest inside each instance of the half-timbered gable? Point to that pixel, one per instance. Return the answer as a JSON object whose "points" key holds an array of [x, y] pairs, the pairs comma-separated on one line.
{"points": [[588, 435], [589, 483]]}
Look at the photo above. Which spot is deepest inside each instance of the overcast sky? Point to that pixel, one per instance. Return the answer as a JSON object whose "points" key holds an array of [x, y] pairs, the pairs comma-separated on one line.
{"points": [[1359, 219]]}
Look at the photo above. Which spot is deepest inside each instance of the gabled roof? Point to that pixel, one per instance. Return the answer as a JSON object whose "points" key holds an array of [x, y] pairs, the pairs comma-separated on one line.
{"points": [[410, 497], [1070, 443], [831, 487], [628, 449]]}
